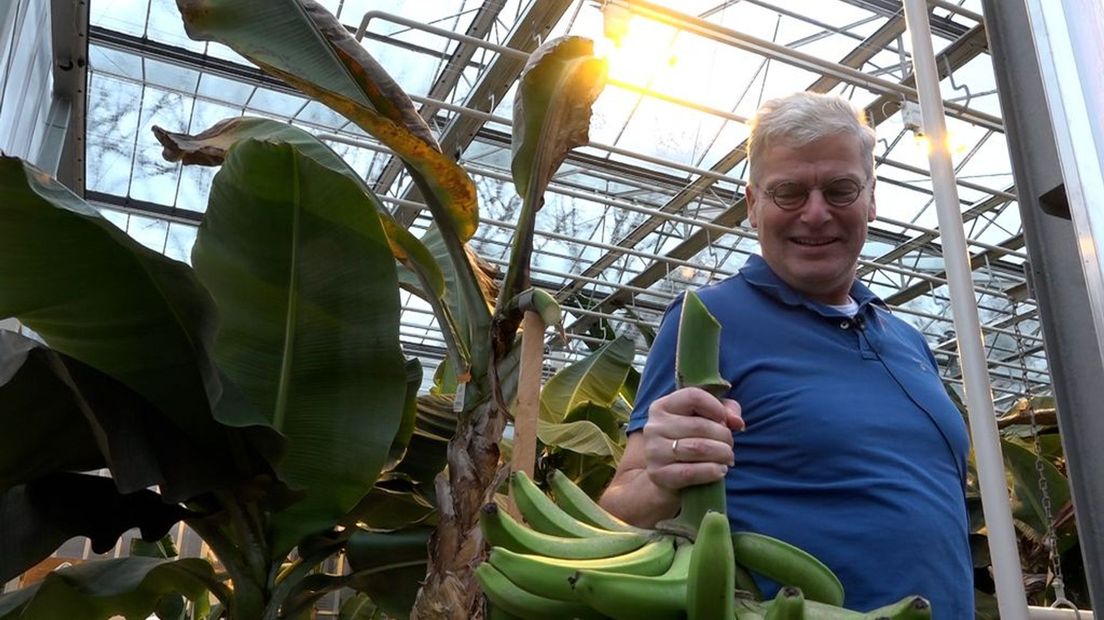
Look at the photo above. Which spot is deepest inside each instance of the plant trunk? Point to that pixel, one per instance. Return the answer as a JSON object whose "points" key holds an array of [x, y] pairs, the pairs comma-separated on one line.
{"points": [[456, 548]]}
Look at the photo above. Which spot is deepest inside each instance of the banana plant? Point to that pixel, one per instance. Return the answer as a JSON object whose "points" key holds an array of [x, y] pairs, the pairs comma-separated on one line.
{"points": [[582, 415], [264, 394]]}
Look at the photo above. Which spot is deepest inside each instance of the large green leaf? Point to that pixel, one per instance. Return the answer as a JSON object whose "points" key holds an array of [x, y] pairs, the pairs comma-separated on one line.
{"points": [[596, 379], [394, 505], [98, 590], [463, 315], [422, 272], [74, 418], [40, 515], [308, 48], [305, 284], [408, 423], [605, 418], [426, 453], [390, 566], [35, 398], [209, 148], [552, 112], [100, 297], [583, 436]]}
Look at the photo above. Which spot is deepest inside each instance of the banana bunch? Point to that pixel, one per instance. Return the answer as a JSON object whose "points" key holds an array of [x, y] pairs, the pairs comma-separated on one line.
{"points": [[576, 560]]}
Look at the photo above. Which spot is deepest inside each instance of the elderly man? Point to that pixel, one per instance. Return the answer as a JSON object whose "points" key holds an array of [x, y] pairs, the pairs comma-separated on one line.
{"points": [[837, 435]]}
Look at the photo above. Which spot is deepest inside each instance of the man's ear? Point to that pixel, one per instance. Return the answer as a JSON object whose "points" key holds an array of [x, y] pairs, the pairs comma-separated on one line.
{"points": [[751, 198]]}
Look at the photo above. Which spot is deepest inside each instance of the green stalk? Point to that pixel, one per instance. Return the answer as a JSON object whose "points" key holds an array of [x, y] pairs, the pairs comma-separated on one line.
{"points": [[697, 364]]}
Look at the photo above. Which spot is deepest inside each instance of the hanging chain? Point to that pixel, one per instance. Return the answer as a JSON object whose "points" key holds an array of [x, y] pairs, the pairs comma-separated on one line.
{"points": [[1027, 402]]}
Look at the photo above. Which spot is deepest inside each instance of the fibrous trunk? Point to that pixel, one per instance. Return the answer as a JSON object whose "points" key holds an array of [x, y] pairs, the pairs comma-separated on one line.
{"points": [[456, 548]]}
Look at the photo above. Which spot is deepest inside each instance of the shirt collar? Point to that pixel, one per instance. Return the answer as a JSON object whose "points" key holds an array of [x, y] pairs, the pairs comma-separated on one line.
{"points": [[758, 273]]}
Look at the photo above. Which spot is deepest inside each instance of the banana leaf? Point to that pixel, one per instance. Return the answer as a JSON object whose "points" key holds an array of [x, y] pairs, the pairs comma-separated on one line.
{"points": [[90, 421], [299, 42], [298, 265], [552, 112], [434, 425], [583, 436], [129, 587], [101, 298], [597, 380], [34, 386], [606, 418], [40, 515], [408, 423], [209, 148], [388, 567], [393, 505]]}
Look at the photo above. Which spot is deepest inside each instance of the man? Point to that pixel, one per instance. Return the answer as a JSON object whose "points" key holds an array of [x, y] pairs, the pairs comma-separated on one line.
{"points": [[837, 436]]}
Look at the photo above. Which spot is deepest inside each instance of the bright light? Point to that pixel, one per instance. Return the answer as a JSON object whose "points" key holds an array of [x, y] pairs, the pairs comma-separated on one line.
{"points": [[635, 48], [953, 143]]}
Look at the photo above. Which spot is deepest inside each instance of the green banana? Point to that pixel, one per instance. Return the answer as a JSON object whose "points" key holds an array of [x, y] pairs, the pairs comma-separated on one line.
{"points": [[711, 581], [494, 612], [631, 597], [510, 598], [501, 530], [542, 514], [575, 502], [908, 608], [576, 560], [788, 565], [789, 604], [550, 576]]}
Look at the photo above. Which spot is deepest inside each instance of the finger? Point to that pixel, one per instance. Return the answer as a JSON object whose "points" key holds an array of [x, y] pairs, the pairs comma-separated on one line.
{"points": [[734, 415], [678, 476], [699, 450], [667, 428], [691, 402]]}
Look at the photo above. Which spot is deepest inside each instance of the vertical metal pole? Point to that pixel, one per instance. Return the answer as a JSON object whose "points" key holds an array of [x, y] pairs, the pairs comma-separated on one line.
{"points": [[1011, 598]]}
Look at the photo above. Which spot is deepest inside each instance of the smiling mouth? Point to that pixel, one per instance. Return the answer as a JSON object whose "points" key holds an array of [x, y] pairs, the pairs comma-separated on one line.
{"points": [[812, 242]]}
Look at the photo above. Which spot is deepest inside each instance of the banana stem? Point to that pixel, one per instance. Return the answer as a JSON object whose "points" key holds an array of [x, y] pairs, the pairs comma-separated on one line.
{"points": [[697, 361], [698, 500]]}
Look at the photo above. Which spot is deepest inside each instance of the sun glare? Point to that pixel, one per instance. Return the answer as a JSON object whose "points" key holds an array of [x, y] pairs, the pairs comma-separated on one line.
{"points": [[637, 49]]}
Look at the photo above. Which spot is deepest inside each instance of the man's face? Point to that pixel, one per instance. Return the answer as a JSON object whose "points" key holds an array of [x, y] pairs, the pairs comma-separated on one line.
{"points": [[814, 247]]}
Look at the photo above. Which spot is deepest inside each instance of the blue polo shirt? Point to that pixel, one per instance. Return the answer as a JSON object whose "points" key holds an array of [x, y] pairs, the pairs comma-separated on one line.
{"points": [[853, 450]]}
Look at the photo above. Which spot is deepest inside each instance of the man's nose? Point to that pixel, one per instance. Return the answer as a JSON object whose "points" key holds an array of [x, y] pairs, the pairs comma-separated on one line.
{"points": [[816, 209]]}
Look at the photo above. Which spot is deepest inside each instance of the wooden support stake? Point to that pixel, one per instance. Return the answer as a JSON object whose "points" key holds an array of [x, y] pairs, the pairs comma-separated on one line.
{"points": [[528, 397]]}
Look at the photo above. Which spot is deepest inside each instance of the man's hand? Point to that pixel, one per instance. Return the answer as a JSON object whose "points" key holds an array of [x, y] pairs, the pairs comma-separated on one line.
{"points": [[688, 438], [654, 468]]}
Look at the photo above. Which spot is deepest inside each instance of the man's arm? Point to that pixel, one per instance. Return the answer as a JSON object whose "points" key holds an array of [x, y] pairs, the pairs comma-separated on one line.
{"points": [[632, 495], [687, 441]]}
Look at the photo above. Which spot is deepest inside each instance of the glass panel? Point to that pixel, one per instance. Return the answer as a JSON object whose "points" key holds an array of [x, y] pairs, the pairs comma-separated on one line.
{"points": [[126, 16], [171, 77], [272, 102], [166, 26], [223, 89]]}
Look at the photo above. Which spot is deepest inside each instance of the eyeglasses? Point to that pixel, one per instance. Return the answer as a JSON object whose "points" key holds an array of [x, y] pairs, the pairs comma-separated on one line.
{"points": [[840, 193]]}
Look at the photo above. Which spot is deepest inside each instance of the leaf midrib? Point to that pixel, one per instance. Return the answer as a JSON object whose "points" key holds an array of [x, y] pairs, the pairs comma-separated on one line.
{"points": [[292, 312]]}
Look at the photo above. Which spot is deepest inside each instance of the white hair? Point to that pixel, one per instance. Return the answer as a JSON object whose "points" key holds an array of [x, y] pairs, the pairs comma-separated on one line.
{"points": [[803, 118]]}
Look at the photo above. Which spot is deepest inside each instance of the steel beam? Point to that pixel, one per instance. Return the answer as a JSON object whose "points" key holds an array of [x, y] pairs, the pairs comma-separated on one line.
{"points": [[1057, 278]]}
